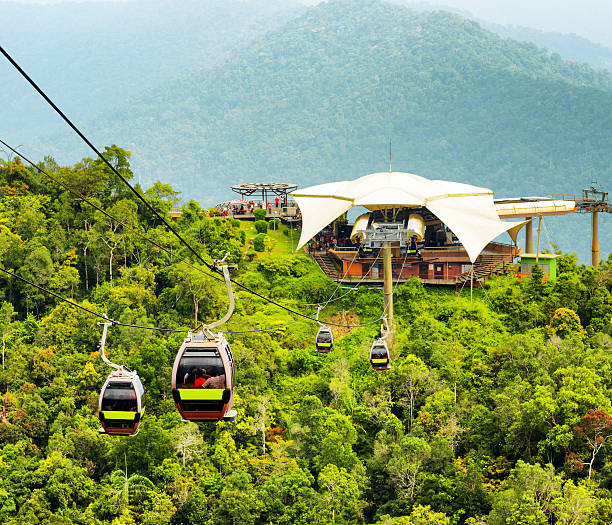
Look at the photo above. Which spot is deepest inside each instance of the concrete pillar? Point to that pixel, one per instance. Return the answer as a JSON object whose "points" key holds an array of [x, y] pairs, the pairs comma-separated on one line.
{"points": [[595, 241], [388, 281], [388, 292], [529, 237]]}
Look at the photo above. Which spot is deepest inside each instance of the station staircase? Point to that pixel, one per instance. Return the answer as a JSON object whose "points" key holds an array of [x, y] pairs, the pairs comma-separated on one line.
{"points": [[327, 264], [486, 265]]}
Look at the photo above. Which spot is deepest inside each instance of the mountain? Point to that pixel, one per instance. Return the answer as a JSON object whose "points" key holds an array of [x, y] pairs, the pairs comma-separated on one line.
{"points": [[570, 46], [319, 99], [90, 56]]}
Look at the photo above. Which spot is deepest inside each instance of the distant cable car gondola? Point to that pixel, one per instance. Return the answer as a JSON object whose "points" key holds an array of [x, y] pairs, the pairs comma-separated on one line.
{"points": [[121, 406], [379, 355], [324, 341], [204, 372], [379, 351], [121, 403]]}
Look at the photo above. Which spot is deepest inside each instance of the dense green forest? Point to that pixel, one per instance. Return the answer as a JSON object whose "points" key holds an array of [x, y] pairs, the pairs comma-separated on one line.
{"points": [[495, 412]]}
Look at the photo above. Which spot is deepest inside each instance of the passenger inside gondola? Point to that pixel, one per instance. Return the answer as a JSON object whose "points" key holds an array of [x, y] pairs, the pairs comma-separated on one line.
{"points": [[379, 352], [196, 370], [324, 337], [215, 382], [119, 397]]}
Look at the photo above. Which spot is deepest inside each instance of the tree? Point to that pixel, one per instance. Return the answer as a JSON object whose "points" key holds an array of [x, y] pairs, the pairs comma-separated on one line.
{"points": [[407, 462], [528, 494], [596, 428], [340, 492], [193, 282], [189, 442], [412, 376]]}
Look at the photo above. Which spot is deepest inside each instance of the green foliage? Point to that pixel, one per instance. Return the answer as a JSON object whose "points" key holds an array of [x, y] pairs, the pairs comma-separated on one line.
{"points": [[259, 242], [260, 214], [261, 226], [494, 411]]}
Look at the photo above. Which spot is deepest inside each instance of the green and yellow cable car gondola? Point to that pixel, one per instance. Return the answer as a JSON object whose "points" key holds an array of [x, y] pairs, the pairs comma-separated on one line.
{"points": [[203, 378], [121, 401]]}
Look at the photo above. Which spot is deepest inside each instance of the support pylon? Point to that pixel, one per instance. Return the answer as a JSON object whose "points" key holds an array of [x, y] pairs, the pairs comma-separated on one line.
{"points": [[595, 241], [529, 236], [388, 291]]}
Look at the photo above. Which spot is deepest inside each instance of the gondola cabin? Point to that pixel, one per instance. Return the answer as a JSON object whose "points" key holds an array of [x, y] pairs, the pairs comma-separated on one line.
{"points": [[379, 355], [325, 340], [121, 404], [203, 378]]}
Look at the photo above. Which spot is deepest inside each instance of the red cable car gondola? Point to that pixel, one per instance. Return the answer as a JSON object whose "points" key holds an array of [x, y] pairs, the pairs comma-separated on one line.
{"points": [[204, 372], [203, 378]]}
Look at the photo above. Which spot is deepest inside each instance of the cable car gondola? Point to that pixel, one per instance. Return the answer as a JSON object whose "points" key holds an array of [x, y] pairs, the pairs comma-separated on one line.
{"points": [[203, 378], [204, 371], [325, 340], [379, 355], [379, 351], [121, 404], [120, 407]]}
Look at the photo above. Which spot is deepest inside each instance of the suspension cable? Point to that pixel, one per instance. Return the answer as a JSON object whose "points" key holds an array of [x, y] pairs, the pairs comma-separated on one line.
{"points": [[131, 325], [144, 201], [341, 279]]}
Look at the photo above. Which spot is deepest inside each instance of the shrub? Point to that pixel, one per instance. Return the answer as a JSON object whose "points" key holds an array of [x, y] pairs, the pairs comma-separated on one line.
{"points": [[259, 242], [260, 214], [261, 226]]}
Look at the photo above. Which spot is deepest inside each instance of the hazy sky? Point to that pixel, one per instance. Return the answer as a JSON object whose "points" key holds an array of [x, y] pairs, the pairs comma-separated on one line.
{"points": [[589, 18]]}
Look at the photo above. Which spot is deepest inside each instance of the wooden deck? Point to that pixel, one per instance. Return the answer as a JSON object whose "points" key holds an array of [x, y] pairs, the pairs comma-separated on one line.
{"points": [[446, 266]]}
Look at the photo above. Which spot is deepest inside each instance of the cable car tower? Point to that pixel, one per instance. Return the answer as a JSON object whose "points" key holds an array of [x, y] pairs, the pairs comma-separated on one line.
{"points": [[594, 201]]}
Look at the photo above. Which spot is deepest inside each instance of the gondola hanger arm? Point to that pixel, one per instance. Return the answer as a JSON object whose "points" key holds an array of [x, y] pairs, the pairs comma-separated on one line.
{"points": [[319, 308], [230, 294], [103, 344], [385, 329]]}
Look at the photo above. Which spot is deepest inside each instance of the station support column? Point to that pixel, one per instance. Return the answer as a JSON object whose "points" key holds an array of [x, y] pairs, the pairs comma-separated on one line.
{"points": [[595, 241], [388, 290], [529, 236]]}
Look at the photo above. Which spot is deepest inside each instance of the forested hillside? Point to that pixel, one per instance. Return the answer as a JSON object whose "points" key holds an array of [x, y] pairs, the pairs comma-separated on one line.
{"points": [[494, 412], [571, 47], [90, 56], [322, 96]]}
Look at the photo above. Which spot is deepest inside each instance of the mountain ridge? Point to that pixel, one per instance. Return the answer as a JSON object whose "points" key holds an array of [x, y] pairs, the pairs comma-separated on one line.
{"points": [[318, 100]]}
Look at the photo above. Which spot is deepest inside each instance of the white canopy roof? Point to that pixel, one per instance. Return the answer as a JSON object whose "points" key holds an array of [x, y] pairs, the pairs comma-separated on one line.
{"points": [[467, 210]]}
